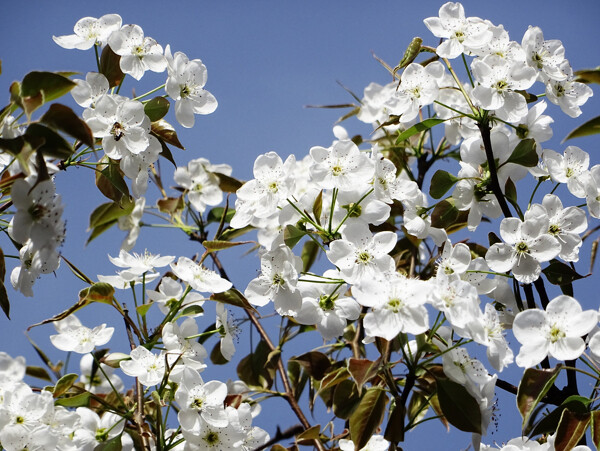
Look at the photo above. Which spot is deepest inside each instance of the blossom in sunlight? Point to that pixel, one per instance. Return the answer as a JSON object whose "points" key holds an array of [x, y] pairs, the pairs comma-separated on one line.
{"points": [[138, 53], [227, 330], [148, 367], [199, 399], [89, 91], [200, 279], [185, 85], [570, 168], [202, 185], [138, 264], [557, 331], [73, 337], [98, 382], [131, 223], [90, 31]]}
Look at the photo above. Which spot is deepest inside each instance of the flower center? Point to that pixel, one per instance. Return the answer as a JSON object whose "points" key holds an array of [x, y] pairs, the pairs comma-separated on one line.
{"points": [[522, 248], [363, 258], [197, 404], [337, 170], [554, 229], [556, 334], [212, 438], [326, 302], [395, 305]]}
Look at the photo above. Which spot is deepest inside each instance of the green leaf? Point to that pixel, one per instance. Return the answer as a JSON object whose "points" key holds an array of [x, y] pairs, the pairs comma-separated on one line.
{"points": [[291, 235], [216, 357], [191, 310], [110, 67], [559, 273], [510, 191], [441, 182], [38, 372], [417, 128], [61, 117], [310, 252], [524, 154], [571, 428], [54, 145], [549, 423], [215, 215], [166, 152], [233, 297], [253, 368], [165, 131], [318, 207], [157, 108], [314, 363], [333, 377], [97, 231], [143, 309], [217, 245], [99, 292], [80, 400], [345, 399], [113, 444], [64, 384], [394, 430], [444, 214], [590, 127], [107, 213], [411, 52], [367, 417], [533, 387], [110, 180], [309, 435], [38, 88], [458, 406], [588, 75]]}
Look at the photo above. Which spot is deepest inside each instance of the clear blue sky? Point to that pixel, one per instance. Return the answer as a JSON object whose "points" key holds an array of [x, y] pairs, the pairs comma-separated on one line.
{"points": [[266, 60]]}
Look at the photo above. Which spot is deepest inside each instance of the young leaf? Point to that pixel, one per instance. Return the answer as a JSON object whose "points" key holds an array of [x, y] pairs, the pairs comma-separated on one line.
{"points": [[533, 387], [362, 371], [444, 214], [310, 252], [233, 297], [458, 406], [38, 88], [217, 245], [170, 205], [441, 182], [524, 154], [64, 384], [417, 128], [110, 67], [291, 235], [61, 117], [591, 127], [38, 372], [345, 399], [571, 428], [228, 184], [54, 145], [80, 400], [595, 427], [110, 180], [367, 416], [107, 213], [314, 363], [558, 273], [165, 131], [156, 108]]}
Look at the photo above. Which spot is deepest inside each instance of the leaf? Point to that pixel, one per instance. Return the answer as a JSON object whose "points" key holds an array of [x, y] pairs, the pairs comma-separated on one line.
{"points": [[170, 205], [394, 430], [458, 406], [143, 309], [441, 182], [64, 384], [38, 88], [314, 363], [4, 301], [595, 427], [54, 145], [215, 215], [524, 154], [217, 245], [97, 231], [411, 52], [309, 254], [549, 423], [362, 371], [110, 67], [571, 428], [233, 297], [157, 108], [216, 356], [590, 127], [559, 273], [533, 387], [80, 400], [318, 207], [253, 369], [110, 180], [309, 435], [291, 235], [38, 372], [166, 152], [588, 75], [191, 310], [333, 378], [108, 212], [420, 127], [444, 214], [113, 444], [61, 117], [368, 416], [228, 184], [165, 131], [99, 292], [345, 399]]}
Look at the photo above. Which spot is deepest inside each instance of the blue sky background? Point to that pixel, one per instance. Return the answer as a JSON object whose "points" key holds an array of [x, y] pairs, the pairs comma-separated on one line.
{"points": [[266, 61]]}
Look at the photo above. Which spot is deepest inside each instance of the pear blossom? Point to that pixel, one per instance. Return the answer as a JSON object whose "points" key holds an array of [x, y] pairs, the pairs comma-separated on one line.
{"points": [[375, 443], [89, 91], [341, 166], [198, 399], [202, 185], [98, 382], [501, 45], [546, 56], [185, 85], [572, 168], [170, 293], [498, 79], [568, 94], [201, 435], [454, 259], [73, 337], [138, 264], [227, 330], [462, 34], [138, 53], [278, 281], [182, 351], [90, 31], [564, 223], [94, 430], [131, 223], [373, 104], [526, 246], [592, 191], [148, 367], [361, 255], [200, 278], [536, 125], [498, 352], [557, 331]]}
